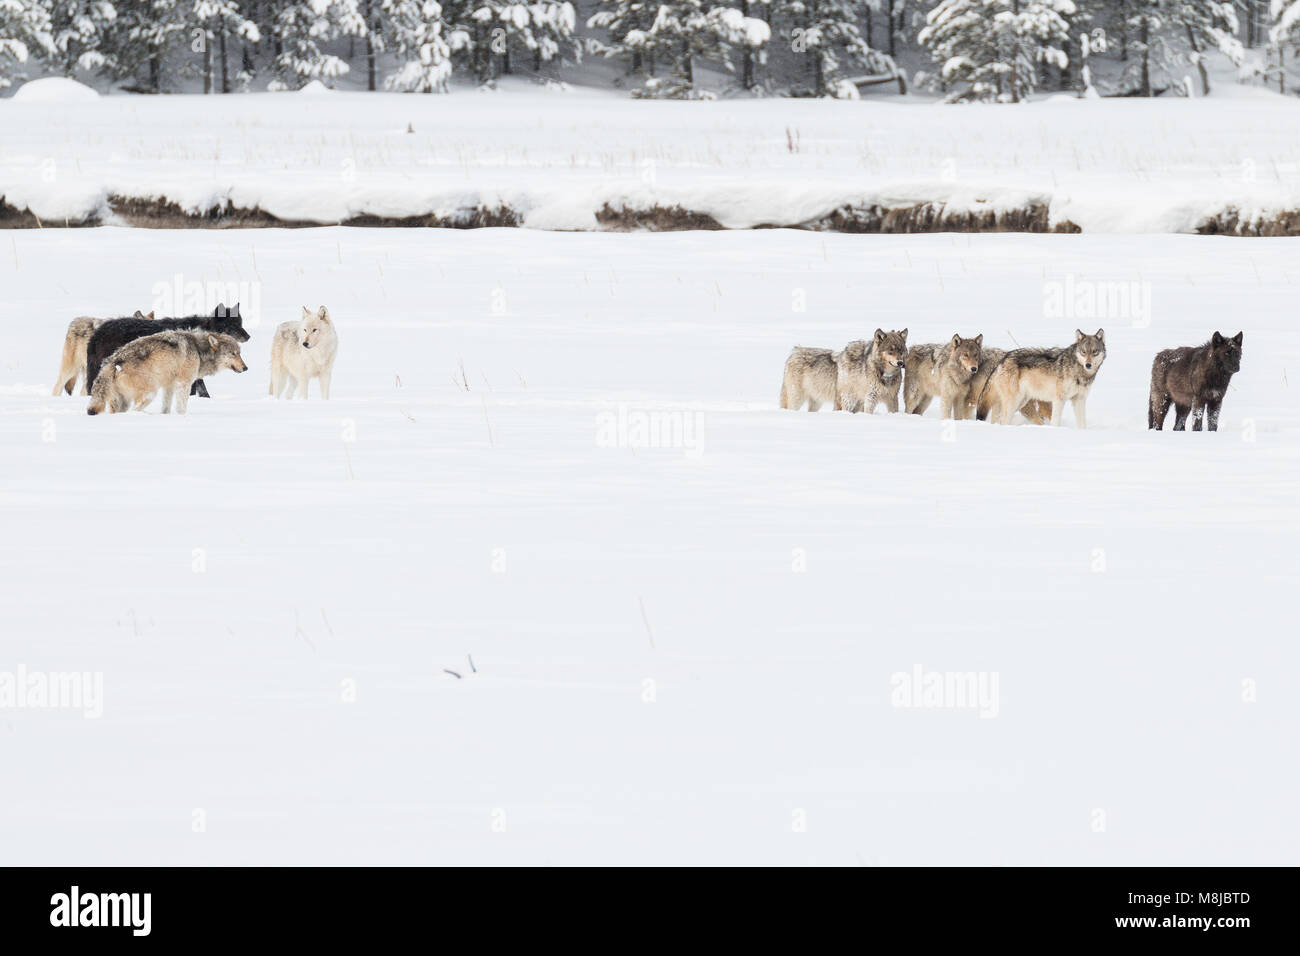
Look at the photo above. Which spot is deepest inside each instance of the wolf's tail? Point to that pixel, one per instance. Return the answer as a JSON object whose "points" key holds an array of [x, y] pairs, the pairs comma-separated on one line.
{"points": [[984, 404], [101, 390], [785, 396]]}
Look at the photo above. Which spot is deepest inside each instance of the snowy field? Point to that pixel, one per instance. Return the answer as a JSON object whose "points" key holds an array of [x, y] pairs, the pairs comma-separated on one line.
{"points": [[1126, 166], [684, 654]]}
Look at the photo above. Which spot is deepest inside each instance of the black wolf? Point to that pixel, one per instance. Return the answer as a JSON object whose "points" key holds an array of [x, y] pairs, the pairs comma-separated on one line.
{"points": [[114, 333], [1193, 380]]}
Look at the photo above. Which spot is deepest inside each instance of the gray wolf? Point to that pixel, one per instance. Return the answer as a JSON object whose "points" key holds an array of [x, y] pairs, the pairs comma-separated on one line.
{"points": [[169, 362], [1193, 380], [114, 333], [943, 372], [1037, 413], [72, 364], [302, 351], [1047, 375]]}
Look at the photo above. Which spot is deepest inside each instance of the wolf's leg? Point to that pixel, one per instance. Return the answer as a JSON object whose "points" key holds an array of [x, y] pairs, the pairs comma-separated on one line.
{"points": [[1158, 411], [199, 389], [1198, 414], [1058, 410], [325, 383], [1180, 417], [921, 404], [167, 399], [182, 400], [1080, 411], [1212, 410], [891, 402], [813, 404]]}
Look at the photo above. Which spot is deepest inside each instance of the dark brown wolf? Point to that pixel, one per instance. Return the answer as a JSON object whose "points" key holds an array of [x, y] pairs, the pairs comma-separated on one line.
{"points": [[1193, 380]]}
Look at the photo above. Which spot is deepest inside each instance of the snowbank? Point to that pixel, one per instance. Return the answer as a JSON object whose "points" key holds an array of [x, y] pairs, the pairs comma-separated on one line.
{"points": [[54, 89], [1113, 166]]}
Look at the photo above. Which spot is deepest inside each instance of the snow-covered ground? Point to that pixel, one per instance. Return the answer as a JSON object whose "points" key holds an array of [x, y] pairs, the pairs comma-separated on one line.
{"points": [[683, 654], [1129, 166]]}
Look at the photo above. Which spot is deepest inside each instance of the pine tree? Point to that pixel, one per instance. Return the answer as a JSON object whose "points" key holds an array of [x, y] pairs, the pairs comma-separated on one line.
{"points": [[1159, 37], [143, 31], [1283, 32], [413, 31], [992, 49], [79, 29], [299, 28], [624, 19], [827, 30], [210, 24], [25, 32]]}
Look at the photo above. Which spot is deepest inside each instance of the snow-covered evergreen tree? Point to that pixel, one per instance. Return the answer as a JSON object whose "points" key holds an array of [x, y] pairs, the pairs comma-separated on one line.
{"points": [[140, 37], [993, 49], [620, 18], [25, 32], [300, 28], [827, 32], [1162, 38], [1283, 33], [79, 29], [209, 26], [413, 31]]}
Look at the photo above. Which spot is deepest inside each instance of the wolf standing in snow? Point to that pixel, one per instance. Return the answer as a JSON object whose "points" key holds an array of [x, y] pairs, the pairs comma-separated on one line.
{"points": [[302, 351], [72, 364], [169, 362], [1045, 375], [943, 372], [1193, 380], [114, 333], [879, 378]]}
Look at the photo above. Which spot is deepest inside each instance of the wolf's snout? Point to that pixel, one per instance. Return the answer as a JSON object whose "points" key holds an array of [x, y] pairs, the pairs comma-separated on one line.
{"points": [[306, 345], [1087, 365]]}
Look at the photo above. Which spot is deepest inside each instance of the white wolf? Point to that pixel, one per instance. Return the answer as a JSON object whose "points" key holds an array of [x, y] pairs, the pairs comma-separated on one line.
{"points": [[302, 351]]}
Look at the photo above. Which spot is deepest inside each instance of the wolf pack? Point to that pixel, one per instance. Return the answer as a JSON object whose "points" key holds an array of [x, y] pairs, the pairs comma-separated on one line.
{"points": [[991, 384], [125, 363]]}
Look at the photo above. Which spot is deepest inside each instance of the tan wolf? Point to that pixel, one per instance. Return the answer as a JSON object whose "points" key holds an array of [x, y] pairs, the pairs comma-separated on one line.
{"points": [[165, 361], [1035, 412], [72, 365], [810, 376], [943, 372], [302, 351], [883, 374], [1057, 375]]}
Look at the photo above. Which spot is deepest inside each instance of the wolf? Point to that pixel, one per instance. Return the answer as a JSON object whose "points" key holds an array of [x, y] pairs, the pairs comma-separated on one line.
{"points": [[1036, 412], [301, 351], [114, 333], [1193, 380], [169, 362], [810, 376], [1046, 375], [943, 372], [72, 365], [883, 374]]}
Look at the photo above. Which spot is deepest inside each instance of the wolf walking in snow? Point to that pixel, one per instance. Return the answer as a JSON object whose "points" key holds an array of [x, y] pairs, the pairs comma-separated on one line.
{"points": [[1046, 375], [114, 333], [881, 373], [1036, 412], [943, 372], [302, 351], [169, 362], [1193, 380], [72, 364]]}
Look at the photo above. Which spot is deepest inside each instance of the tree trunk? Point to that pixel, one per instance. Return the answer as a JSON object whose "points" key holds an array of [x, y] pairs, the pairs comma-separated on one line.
{"points": [[747, 60], [155, 73], [890, 26], [225, 70], [1146, 57], [1200, 61], [207, 62], [372, 23]]}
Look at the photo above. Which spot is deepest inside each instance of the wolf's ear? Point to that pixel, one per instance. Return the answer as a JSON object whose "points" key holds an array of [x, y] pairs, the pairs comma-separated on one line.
{"points": [[306, 312], [956, 338], [212, 342], [323, 314], [149, 316], [979, 340], [1216, 339], [1101, 335], [880, 335], [1238, 337], [903, 334], [1078, 335]]}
